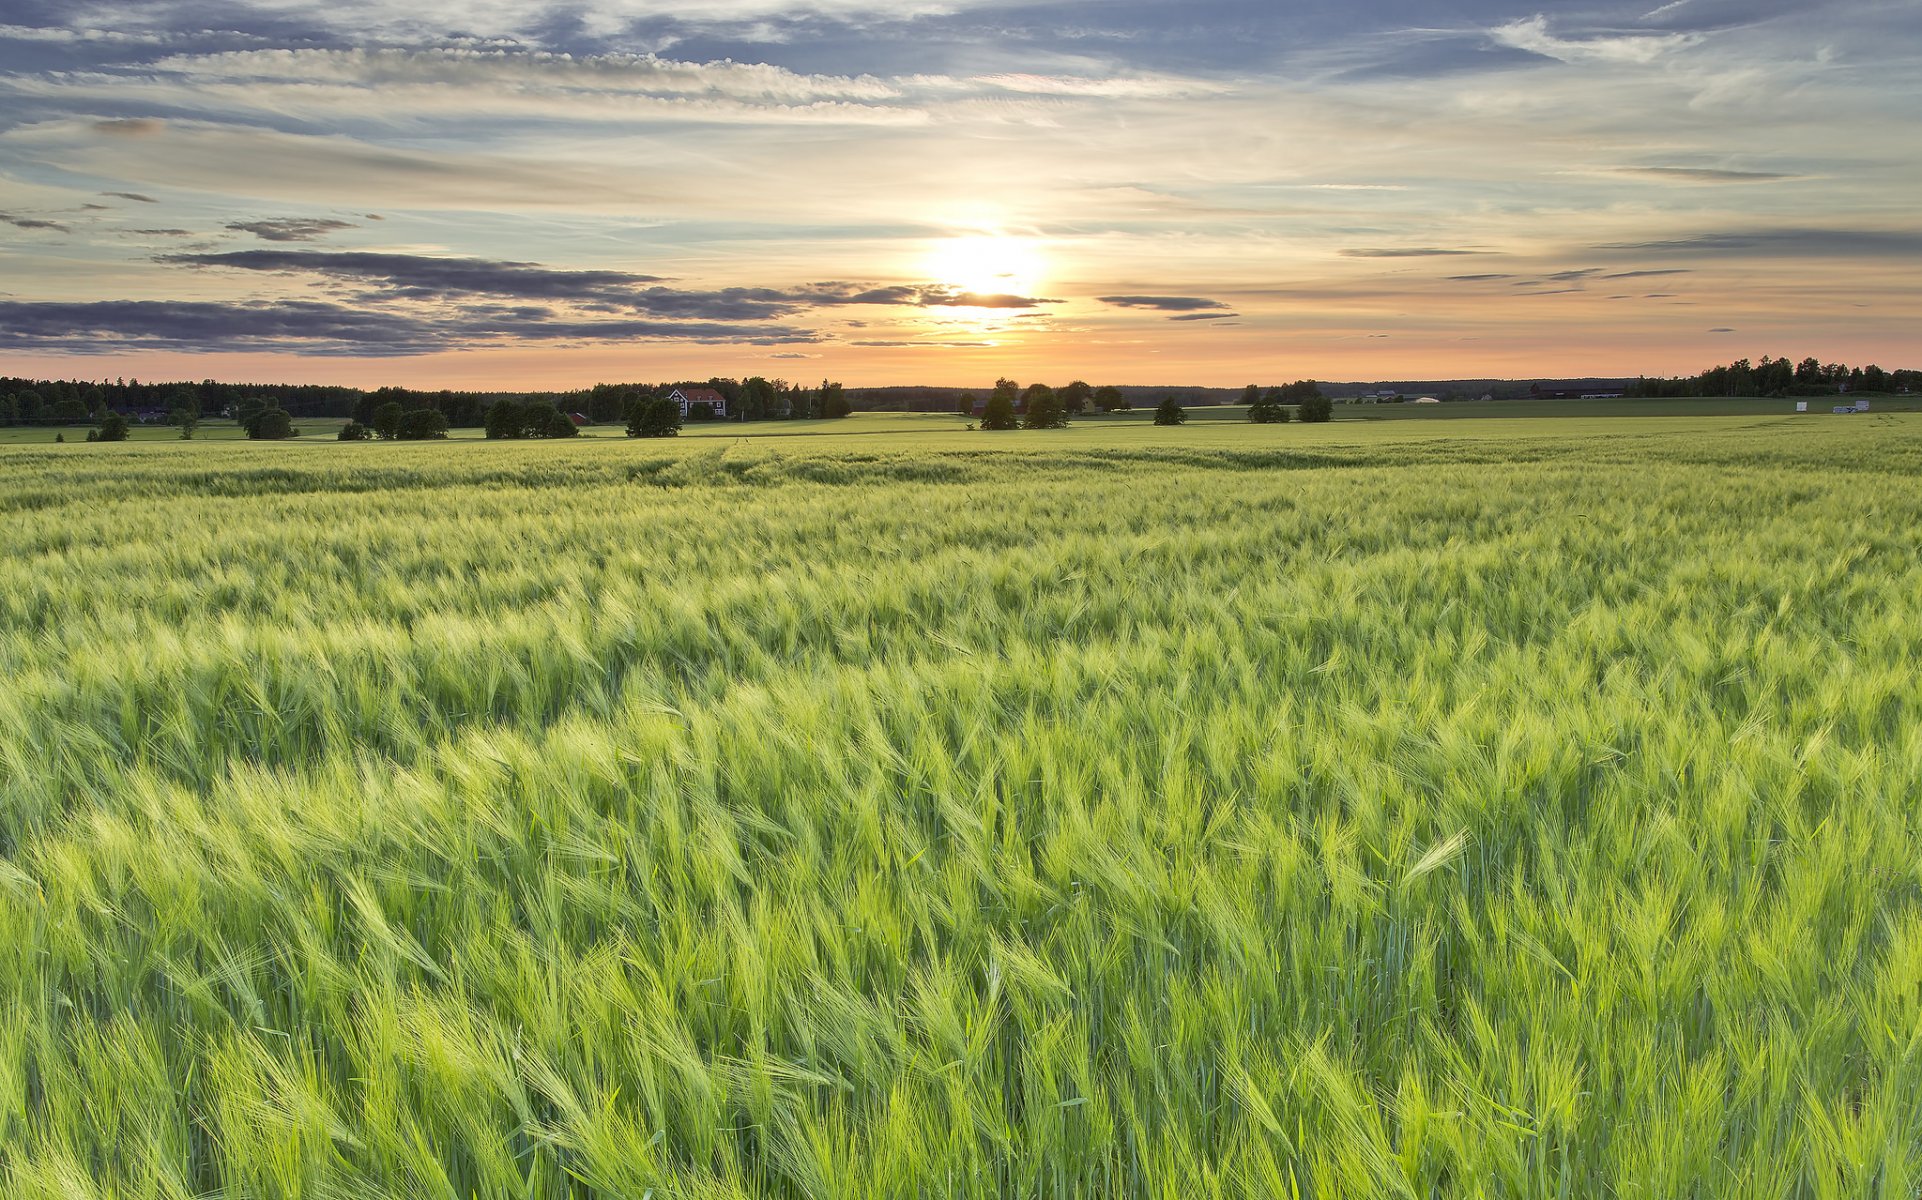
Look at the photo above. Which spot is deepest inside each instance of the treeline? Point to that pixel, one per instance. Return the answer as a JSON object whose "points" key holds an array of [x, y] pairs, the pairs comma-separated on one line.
{"points": [[1038, 406], [82, 402], [1777, 377]]}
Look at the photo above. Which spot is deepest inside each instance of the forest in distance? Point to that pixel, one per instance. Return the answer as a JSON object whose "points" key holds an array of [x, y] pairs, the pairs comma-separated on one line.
{"points": [[79, 402]]}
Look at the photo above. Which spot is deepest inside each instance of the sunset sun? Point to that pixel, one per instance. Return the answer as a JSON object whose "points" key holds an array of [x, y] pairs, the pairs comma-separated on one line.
{"points": [[987, 264]]}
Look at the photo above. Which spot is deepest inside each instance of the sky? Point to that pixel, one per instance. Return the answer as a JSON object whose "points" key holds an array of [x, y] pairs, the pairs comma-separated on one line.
{"points": [[537, 194]]}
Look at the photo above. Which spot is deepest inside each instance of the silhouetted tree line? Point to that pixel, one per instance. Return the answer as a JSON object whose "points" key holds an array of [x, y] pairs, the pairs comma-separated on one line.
{"points": [[1778, 377], [80, 402]]}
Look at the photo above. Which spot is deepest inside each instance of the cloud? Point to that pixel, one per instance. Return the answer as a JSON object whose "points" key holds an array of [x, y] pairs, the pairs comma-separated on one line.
{"points": [[1703, 175], [130, 127], [1787, 243], [315, 328], [1203, 316], [1408, 252], [1476, 278], [291, 229], [1648, 274], [32, 223], [1531, 34], [418, 277], [135, 196], [1176, 304]]}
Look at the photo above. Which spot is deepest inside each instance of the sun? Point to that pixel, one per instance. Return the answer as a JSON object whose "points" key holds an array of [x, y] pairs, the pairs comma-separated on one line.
{"points": [[991, 264]]}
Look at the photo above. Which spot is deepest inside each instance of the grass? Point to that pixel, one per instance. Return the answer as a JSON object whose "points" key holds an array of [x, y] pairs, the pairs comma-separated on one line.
{"points": [[1423, 809]]}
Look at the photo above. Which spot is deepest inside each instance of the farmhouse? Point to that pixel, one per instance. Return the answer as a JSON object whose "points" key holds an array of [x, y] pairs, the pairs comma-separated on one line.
{"points": [[688, 397]]}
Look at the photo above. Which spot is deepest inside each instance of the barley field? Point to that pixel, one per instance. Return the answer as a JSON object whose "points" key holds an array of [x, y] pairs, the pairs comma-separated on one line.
{"points": [[1454, 809]]}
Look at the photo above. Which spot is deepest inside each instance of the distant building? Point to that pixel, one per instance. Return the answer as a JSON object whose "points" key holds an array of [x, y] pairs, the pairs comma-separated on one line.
{"points": [[689, 397]]}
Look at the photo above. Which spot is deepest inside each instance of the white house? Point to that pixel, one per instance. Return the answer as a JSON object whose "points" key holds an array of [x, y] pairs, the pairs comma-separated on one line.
{"points": [[690, 396]]}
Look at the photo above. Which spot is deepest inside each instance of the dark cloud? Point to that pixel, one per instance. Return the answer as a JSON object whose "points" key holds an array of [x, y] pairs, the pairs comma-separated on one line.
{"points": [[315, 328], [32, 223], [1203, 316], [291, 229], [1407, 252], [1477, 278], [424, 277], [1722, 330], [162, 232], [134, 196], [1787, 243], [1647, 274], [1703, 175], [130, 127], [1178, 304]]}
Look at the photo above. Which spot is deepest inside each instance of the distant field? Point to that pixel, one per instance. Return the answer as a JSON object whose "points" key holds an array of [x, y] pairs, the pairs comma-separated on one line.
{"points": [[1507, 808], [325, 428]]}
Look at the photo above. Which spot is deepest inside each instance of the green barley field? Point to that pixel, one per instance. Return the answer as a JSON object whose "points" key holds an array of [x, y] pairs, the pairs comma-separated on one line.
{"points": [[1496, 808]]}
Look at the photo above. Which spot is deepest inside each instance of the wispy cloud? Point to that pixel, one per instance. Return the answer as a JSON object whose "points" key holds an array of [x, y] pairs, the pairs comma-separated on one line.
{"points": [[1703, 175], [1176, 304], [291, 229], [1532, 34]]}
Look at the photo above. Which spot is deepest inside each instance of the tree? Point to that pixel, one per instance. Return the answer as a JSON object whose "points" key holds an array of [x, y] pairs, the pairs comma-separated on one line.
{"points": [[1170, 412], [758, 398], [1011, 390], [999, 414], [700, 411], [607, 403], [965, 405], [1045, 410], [504, 420], [421, 425], [247, 409], [654, 416], [70, 411], [1109, 399], [1076, 397], [834, 400], [556, 424], [354, 431], [188, 419], [1312, 407], [1267, 408], [271, 425], [113, 428], [386, 420]]}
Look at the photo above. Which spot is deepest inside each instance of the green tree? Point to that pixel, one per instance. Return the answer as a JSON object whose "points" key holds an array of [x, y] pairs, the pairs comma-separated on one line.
{"points": [[422, 424], [834, 400], [654, 416], [1009, 389], [1311, 406], [1267, 408], [386, 420], [965, 404], [999, 414], [70, 411], [354, 431], [1077, 397], [1170, 412], [271, 425], [504, 419], [1045, 410], [1109, 399], [113, 428]]}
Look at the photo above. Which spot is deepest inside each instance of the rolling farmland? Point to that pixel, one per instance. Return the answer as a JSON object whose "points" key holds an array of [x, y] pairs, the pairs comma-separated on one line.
{"points": [[1509, 808]]}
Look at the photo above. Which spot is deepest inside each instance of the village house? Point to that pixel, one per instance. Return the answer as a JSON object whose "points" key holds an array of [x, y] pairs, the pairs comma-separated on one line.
{"points": [[688, 397]]}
